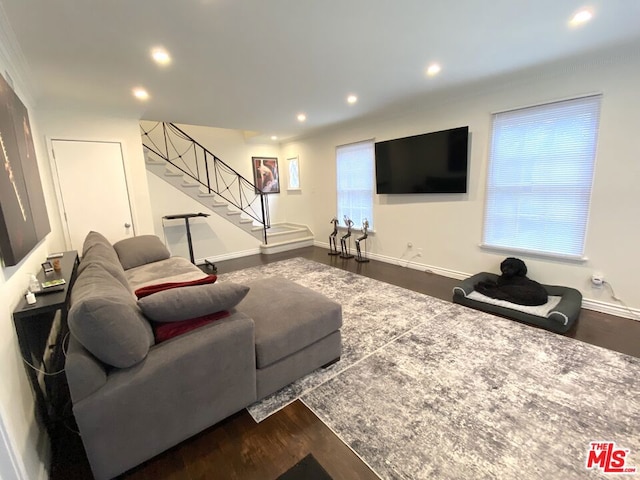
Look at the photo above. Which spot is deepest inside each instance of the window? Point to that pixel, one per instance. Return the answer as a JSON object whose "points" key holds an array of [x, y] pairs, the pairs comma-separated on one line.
{"points": [[539, 181], [354, 164]]}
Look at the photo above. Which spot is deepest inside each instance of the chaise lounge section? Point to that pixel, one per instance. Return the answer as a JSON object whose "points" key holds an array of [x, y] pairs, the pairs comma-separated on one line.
{"points": [[135, 394]]}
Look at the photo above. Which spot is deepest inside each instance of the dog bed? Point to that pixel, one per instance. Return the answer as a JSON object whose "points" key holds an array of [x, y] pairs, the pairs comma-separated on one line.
{"points": [[558, 314]]}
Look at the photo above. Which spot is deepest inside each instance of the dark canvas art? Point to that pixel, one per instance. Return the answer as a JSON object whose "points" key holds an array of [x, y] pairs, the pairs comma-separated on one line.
{"points": [[23, 215]]}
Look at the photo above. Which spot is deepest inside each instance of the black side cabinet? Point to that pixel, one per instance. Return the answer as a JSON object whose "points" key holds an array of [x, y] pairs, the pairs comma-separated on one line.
{"points": [[41, 330]]}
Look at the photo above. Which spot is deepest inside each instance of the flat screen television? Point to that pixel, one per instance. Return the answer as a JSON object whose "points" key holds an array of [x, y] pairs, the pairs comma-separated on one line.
{"points": [[428, 163]]}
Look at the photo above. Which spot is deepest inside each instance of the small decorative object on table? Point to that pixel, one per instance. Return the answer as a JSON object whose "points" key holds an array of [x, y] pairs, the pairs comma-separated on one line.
{"points": [[333, 248], [47, 267], [365, 233], [344, 247], [55, 285]]}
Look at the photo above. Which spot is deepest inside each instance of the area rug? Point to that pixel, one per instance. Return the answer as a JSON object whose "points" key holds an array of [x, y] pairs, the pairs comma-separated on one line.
{"points": [[374, 314], [451, 393]]}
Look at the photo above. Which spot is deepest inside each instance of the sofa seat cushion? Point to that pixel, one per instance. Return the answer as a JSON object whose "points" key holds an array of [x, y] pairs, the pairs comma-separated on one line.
{"points": [[288, 317], [106, 320], [173, 269]]}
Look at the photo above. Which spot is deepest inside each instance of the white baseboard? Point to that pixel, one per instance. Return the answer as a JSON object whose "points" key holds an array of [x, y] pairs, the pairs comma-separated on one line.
{"points": [[408, 263], [611, 309], [589, 304], [229, 256]]}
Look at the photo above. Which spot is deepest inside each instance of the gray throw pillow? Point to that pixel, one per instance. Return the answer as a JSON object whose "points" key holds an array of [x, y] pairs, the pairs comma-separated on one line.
{"points": [[185, 303], [140, 250], [105, 319]]}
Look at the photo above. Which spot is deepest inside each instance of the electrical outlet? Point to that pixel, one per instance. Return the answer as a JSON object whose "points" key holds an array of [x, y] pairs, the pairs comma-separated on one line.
{"points": [[597, 280], [419, 252]]}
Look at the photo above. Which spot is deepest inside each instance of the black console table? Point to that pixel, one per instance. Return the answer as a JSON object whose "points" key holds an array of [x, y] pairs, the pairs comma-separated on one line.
{"points": [[41, 328], [186, 217]]}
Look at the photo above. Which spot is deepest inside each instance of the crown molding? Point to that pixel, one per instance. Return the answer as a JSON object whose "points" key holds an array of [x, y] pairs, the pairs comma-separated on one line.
{"points": [[14, 62]]}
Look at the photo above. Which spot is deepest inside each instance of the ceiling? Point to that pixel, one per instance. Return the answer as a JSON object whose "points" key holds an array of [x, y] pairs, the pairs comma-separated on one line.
{"points": [[256, 64]]}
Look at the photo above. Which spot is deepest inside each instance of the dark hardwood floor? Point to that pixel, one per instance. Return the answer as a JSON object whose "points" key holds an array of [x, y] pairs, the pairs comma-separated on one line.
{"points": [[239, 448]]}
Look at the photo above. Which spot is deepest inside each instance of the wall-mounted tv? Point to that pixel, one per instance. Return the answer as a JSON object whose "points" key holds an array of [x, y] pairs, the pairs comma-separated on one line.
{"points": [[428, 163]]}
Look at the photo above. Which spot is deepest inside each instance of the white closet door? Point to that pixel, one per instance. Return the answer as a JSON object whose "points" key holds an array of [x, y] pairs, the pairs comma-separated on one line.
{"points": [[93, 188]]}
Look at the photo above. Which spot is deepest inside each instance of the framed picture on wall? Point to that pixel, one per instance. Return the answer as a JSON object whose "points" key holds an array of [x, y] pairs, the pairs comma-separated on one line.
{"points": [[293, 165], [266, 176]]}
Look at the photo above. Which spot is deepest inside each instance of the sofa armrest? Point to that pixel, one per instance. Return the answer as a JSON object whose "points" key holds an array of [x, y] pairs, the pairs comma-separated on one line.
{"points": [[85, 373], [185, 385]]}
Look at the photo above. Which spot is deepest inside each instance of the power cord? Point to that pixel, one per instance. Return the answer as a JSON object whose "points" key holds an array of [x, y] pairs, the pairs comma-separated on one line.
{"points": [[50, 374], [620, 301]]}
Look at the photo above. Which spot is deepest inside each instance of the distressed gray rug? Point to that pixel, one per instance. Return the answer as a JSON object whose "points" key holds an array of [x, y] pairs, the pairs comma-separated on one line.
{"points": [[428, 389]]}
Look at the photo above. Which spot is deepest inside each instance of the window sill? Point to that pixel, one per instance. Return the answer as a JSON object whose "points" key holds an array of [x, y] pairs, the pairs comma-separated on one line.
{"points": [[534, 253]]}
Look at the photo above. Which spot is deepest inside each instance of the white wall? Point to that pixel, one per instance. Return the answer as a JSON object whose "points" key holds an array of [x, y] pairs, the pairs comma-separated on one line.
{"points": [[90, 126], [214, 237], [24, 443], [449, 227]]}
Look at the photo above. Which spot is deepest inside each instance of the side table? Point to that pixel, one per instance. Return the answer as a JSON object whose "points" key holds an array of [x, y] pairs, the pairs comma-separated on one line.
{"points": [[41, 330]]}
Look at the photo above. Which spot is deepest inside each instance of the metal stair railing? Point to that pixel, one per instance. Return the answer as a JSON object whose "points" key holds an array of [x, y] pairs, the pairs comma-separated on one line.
{"points": [[170, 143]]}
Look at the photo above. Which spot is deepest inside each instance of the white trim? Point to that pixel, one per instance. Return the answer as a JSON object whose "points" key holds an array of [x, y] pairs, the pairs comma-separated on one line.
{"points": [[555, 312], [587, 303], [408, 264], [611, 309], [534, 253], [229, 256], [549, 102], [15, 62], [459, 289]]}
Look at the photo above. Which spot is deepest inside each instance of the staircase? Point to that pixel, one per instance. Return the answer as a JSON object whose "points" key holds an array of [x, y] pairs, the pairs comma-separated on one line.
{"points": [[176, 158]]}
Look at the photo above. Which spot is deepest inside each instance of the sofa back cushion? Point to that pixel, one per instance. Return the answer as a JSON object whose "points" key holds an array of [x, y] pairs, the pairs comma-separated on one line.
{"points": [[94, 238], [140, 250], [105, 319]]}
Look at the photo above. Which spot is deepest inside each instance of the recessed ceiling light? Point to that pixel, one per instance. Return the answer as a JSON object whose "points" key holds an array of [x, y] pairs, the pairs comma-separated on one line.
{"points": [[581, 17], [351, 99], [433, 69], [161, 56], [274, 137], [140, 94], [302, 117]]}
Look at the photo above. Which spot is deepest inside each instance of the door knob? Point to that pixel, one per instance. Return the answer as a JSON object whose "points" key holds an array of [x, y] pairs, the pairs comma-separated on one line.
{"points": [[127, 225]]}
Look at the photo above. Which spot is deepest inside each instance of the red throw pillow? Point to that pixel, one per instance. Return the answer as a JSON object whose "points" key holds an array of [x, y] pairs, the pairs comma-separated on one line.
{"points": [[165, 331], [149, 289]]}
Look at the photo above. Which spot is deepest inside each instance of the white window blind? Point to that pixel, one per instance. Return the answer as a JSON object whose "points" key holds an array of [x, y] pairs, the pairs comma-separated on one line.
{"points": [[540, 174], [355, 169]]}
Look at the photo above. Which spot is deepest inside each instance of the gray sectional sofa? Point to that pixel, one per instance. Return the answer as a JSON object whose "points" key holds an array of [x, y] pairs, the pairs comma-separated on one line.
{"points": [[133, 396]]}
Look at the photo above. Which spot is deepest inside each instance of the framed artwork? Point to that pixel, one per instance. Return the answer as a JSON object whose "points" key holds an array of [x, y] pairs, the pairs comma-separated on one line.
{"points": [[266, 176], [294, 173], [23, 214]]}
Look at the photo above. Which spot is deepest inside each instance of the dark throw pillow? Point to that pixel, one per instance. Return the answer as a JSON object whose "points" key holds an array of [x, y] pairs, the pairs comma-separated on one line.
{"points": [[159, 287], [165, 331]]}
